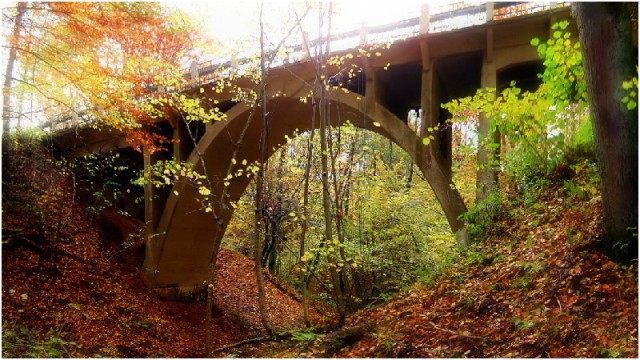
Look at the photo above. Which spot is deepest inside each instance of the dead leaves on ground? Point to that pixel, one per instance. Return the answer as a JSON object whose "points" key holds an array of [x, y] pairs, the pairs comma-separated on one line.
{"points": [[532, 291], [98, 301]]}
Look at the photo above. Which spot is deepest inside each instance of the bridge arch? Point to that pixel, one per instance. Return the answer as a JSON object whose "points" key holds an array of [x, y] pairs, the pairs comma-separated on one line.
{"points": [[178, 253]]}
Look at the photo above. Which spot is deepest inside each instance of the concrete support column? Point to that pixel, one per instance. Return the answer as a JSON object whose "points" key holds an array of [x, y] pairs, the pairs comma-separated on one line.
{"points": [[364, 33], [488, 157], [424, 19], [181, 148], [370, 90], [489, 6], [440, 145]]}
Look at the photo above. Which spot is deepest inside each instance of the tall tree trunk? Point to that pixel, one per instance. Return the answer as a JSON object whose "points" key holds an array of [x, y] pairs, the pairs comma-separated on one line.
{"points": [[259, 219], [305, 219], [326, 196], [8, 77], [609, 58]]}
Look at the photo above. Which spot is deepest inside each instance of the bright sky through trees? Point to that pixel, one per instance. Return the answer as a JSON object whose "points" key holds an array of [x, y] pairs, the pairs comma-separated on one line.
{"points": [[232, 21]]}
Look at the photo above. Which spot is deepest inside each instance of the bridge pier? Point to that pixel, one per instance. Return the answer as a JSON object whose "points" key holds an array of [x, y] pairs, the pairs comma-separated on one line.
{"points": [[487, 177], [430, 99], [183, 143], [155, 199]]}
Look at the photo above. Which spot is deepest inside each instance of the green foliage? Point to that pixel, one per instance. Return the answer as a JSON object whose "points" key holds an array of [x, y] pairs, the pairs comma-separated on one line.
{"points": [[304, 335], [584, 185], [523, 324], [107, 177], [532, 268], [609, 353], [630, 88], [582, 145], [480, 217], [563, 76], [539, 126], [169, 172], [393, 229], [19, 342], [429, 273], [398, 234]]}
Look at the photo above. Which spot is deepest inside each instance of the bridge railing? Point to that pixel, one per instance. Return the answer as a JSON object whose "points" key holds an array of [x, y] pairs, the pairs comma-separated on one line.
{"points": [[432, 20], [68, 121]]}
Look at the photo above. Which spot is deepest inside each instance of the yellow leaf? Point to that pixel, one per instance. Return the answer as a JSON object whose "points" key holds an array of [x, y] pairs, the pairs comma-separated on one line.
{"points": [[377, 124]]}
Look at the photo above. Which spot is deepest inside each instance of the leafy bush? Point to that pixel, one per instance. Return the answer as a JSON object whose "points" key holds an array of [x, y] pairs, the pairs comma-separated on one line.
{"points": [[539, 127], [481, 216]]}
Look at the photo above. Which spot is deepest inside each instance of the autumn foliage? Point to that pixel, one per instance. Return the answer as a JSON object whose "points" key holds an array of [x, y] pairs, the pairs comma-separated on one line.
{"points": [[98, 62], [535, 287]]}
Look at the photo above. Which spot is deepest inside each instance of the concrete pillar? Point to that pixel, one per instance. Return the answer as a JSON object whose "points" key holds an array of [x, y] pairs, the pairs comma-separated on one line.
{"points": [[234, 60], [151, 218], [364, 32], [487, 178], [490, 6], [181, 148], [424, 19], [306, 44], [440, 145], [195, 73], [370, 82]]}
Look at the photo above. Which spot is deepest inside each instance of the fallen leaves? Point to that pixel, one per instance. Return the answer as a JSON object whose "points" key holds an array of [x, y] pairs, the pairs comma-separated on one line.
{"points": [[99, 301], [544, 293]]}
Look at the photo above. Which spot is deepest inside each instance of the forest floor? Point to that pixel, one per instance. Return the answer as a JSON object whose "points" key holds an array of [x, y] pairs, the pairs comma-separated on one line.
{"points": [[534, 287], [72, 289]]}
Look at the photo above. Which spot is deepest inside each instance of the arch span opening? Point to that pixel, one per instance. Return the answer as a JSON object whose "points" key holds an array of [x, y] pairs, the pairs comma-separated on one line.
{"points": [[179, 253]]}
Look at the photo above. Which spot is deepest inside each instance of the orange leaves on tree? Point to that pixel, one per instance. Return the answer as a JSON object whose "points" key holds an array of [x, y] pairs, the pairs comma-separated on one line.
{"points": [[101, 60]]}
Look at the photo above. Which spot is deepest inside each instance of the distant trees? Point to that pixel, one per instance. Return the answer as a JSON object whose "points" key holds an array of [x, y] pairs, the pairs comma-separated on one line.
{"points": [[8, 75], [610, 56]]}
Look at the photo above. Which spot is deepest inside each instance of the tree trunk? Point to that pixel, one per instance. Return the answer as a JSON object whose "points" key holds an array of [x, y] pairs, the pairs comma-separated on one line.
{"points": [[305, 221], [609, 57], [259, 219], [8, 78], [323, 103]]}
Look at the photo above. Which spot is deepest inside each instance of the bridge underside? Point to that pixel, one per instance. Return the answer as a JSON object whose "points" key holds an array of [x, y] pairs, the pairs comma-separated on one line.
{"points": [[179, 253], [419, 74]]}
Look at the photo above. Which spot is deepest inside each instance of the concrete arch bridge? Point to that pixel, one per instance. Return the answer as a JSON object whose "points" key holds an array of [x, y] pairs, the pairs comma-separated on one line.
{"points": [[435, 63]]}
